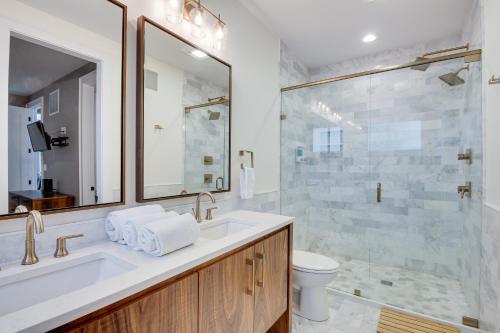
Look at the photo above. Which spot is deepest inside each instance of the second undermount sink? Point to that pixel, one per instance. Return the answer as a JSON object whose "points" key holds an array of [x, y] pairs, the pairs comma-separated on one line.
{"points": [[36, 285], [220, 229]]}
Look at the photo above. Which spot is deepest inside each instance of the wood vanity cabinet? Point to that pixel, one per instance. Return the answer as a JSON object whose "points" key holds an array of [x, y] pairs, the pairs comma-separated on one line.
{"points": [[170, 309], [245, 291], [271, 284], [248, 291]]}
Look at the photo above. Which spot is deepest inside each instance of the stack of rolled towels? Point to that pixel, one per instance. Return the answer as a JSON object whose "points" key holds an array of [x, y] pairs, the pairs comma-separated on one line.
{"points": [[151, 229]]}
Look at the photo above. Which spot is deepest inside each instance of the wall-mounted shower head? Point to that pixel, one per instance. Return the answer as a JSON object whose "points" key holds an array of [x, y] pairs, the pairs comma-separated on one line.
{"points": [[422, 67], [452, 79], [212, 115]]}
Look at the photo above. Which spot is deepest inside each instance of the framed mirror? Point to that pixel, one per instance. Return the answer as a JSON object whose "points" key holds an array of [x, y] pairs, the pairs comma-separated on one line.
{"points": [[183, 117], [62, 66]]}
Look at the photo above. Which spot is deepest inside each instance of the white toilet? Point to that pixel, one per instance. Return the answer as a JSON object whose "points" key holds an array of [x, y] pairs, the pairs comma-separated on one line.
{"points": [[311, 273]]}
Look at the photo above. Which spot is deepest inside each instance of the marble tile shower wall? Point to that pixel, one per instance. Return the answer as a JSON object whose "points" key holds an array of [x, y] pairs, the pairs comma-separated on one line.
{"points": [[401, 128], [471, 135], [204, 137], [471, 138], [295, 198]]}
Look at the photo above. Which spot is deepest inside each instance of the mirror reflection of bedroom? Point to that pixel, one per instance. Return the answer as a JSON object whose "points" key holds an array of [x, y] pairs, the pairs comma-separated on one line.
{"points": [[52, 127]]}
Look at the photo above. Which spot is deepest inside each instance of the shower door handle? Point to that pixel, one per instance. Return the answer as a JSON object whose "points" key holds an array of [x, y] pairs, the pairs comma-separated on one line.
{"points": [[379, 192]]}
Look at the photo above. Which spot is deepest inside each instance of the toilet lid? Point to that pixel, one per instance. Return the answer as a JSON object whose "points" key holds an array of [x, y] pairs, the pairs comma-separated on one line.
{"points": [[313, 262]]}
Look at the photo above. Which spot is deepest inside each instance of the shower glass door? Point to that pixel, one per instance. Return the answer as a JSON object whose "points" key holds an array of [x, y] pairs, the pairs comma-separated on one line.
{"points": [[415, 243], [328, 188]]}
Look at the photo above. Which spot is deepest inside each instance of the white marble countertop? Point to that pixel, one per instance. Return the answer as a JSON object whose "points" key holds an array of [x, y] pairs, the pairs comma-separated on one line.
{"points": [[148, 272]]}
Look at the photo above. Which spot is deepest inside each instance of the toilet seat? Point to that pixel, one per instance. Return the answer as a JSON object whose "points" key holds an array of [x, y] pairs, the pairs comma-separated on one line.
{"points": [[313, 263]]}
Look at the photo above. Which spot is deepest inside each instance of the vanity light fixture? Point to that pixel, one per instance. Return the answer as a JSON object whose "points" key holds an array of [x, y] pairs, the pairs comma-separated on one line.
{"points": [[198, 54], [369, 38], [203, 21]]}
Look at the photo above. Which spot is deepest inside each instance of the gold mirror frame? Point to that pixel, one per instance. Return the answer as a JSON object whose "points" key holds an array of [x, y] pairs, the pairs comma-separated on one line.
{"points": [[141, 43], [123, 7]]}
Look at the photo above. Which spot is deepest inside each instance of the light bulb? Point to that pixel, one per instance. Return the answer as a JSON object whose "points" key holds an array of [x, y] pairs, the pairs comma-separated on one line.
{"points": [[219, 30], [196, 15]]}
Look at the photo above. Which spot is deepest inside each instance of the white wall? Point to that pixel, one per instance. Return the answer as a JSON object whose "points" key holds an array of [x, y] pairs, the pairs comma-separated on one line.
{"points": [[254, 54], [163, 149], [492, 102], [490, 260]]}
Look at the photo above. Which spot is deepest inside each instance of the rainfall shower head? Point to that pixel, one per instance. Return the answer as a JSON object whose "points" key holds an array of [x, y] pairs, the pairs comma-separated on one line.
{"points": [[452, 79], [422, 67], [212, 115]]}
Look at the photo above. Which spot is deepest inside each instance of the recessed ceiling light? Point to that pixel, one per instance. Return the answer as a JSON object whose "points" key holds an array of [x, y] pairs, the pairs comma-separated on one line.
{"points": [[198, 54], [369, 38]]}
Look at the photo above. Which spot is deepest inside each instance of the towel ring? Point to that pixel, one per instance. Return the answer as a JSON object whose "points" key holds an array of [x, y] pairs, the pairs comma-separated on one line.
{"points": [[242, 153]]}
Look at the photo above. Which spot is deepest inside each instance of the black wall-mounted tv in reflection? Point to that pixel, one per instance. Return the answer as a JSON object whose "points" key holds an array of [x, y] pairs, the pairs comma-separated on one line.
{"points": [[40, 140]]}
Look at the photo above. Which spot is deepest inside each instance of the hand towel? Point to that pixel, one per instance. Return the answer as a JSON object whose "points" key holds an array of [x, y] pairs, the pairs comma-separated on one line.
{"points": [[132, 223], [247, 182], [115, 220], [167, 235]]}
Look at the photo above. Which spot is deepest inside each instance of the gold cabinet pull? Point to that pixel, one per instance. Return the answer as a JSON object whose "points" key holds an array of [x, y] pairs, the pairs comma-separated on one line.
{"points": [[379, 192], [251, 262], [262, 259]]}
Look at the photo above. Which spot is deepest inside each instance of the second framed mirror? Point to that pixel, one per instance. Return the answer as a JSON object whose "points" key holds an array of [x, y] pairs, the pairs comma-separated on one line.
{"points": [[183, 117]]}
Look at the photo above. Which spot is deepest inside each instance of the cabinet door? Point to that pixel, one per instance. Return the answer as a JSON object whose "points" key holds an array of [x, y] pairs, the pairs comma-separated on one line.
{"points": [[271, 288], [173, 309], [227, 294]]}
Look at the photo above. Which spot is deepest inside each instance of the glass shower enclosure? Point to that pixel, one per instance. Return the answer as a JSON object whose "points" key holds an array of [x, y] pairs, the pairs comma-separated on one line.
{"points": [[383, 173]]}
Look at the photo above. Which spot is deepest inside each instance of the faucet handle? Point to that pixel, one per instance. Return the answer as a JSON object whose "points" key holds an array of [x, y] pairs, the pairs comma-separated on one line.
{"points": [[209, 216], [61, 250]]}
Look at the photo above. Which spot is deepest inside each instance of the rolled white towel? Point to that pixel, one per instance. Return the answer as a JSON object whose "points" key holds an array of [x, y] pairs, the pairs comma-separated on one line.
{"points": [[164, 236], [115, 220], [132, 223]]}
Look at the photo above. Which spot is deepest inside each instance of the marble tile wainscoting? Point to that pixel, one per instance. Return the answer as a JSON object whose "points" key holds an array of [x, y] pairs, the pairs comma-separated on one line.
{"points": [[93, 229], [490, 270]]}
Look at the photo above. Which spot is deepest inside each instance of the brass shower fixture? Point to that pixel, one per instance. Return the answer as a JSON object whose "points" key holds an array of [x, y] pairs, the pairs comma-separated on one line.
{"points": [[464, 190], [452, 79], [424, 57]]}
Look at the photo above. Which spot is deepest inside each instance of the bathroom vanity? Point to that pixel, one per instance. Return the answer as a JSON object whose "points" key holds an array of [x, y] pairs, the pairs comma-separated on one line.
{"points": [[235, 278]]}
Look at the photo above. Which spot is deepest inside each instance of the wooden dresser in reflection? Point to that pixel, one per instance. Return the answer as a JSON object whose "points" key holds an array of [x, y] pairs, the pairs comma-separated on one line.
{"points": [[39, 200]]}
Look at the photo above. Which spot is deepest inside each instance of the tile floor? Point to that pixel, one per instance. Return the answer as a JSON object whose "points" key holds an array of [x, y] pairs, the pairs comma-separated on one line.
{"points": [[346, 316], [423, 293]]}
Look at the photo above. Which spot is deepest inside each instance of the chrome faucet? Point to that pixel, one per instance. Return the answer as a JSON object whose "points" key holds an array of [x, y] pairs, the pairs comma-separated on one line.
{"points": [[197, 213], [34, 223]]}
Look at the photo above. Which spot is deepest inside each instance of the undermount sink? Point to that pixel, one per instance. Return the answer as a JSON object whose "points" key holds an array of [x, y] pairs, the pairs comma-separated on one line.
{"points": [[220, 229], [37, 285]]}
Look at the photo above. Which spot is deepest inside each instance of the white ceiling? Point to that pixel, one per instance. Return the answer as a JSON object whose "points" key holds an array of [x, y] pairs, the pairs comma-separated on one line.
{"points": [[33, 67], [323, 32]]}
